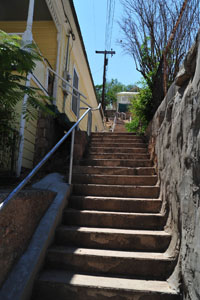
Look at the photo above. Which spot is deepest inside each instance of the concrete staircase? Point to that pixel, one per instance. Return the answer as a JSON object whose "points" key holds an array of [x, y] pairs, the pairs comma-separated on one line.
{"points": [[120, 126], [111, 242]]}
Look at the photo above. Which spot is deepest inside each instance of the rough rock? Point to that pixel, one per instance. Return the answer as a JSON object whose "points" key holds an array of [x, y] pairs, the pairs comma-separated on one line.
{"points": [[174, 143]]}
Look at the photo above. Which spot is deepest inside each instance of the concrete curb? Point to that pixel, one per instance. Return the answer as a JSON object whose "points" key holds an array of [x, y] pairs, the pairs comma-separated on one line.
{"points": [[20, 282]]}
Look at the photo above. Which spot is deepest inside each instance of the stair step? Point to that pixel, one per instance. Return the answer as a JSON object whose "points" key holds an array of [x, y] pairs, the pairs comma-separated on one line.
{"points": [[115, 179], [113, 239], [116, 190], [113, 170], [133, 139], [116, 150], [93, 218], [118, 144], [62, 285], [111, 262], [116, 162], [112, 243], [112, 134], [118, 156], [115, 204]]}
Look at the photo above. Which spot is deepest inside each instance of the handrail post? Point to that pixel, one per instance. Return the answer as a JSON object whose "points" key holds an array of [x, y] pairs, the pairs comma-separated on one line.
{"points": [[89, 124], [47, 79], [71, 156], [78, 108], [45, 158]]}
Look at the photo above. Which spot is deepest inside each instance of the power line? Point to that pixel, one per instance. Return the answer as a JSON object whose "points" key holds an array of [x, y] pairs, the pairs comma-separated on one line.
{"points": [[108, 38], [109, 23], [94, 23]]}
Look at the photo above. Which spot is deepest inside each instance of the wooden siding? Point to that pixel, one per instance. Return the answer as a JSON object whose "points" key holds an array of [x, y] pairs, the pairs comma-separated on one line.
{"points": [[44, 34]]}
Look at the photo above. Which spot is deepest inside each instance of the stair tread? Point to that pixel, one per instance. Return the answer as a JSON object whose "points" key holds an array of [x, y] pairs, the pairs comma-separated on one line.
{"points": [[116, 185], [112, 212], [115, 230], [118, 153], [114, 170], [113, 167], [110, 142], [111, 246], [110, 253], [105, 282], [116, 159], [115, 198], [103, 147], [118, 176]]}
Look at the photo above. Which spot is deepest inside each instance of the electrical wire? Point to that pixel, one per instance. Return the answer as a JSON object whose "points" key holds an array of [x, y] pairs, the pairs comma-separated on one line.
{"points": [[94, 22], [98, 70], [109, 23]]}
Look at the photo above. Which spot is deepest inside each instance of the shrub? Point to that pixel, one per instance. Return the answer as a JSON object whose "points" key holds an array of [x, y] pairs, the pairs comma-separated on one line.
{"points": [[141, 107]]}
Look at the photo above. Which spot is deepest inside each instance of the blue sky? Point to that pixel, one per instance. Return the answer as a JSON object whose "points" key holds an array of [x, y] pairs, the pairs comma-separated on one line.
{"points": [[92, 20]]}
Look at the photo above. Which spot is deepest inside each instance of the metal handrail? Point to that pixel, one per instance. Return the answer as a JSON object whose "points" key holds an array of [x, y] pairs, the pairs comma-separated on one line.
{"points": [[114, 123], [49, 68], [46, 157], [123, 114]]}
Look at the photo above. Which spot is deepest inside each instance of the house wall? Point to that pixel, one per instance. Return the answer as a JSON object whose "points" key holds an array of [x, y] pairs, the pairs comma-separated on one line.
{"points": [[46, 35], [76, 60]]}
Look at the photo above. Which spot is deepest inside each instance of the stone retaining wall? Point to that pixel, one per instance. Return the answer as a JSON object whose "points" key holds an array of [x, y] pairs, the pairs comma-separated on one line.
{"points": [[174, 144]]}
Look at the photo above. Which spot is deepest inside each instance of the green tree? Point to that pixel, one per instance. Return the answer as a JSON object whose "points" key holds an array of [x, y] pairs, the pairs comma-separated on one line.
{"points": [[112, 88], [147, 26], [140, 108], [16, 61]]}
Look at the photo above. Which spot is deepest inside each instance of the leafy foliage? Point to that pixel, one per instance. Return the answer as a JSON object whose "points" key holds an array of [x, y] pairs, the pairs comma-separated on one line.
{"points": [[146, 29], [16, 61], [112, 88], [141, 110]]}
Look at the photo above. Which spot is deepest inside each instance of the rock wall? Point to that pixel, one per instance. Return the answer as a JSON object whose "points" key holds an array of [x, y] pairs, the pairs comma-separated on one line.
{"points": [[174, 144], [49, 131]]}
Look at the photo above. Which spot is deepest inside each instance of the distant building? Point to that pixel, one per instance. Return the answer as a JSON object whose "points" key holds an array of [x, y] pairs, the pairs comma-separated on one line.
{"points": [[124, 100]]}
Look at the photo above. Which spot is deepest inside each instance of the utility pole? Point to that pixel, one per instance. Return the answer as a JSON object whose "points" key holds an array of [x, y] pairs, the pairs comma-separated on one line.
{"points": [[104, 72]]}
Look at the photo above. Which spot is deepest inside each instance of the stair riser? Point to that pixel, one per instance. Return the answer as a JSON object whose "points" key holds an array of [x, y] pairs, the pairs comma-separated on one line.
{"points": [[110, 223], [113, 171], [97, 134], [116, 150], [140, 268], [118, 145], [115, 180], [119, 191], [116, 163], [76, 218], [63, 291], [118, 139], [139, 206], [118, 156], [113, 241]]}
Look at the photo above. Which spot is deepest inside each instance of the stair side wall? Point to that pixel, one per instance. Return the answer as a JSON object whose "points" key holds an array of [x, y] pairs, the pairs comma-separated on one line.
{"points": [[18, 222], [174, 144]]}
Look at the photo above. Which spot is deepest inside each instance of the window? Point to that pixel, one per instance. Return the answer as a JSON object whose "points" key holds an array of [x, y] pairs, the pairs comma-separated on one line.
{"points": [[75, 94]]}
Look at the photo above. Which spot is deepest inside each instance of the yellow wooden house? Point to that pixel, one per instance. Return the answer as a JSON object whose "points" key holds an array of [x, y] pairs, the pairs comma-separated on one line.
{"points": [[64, 71]]}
